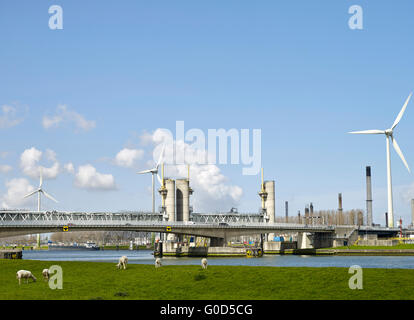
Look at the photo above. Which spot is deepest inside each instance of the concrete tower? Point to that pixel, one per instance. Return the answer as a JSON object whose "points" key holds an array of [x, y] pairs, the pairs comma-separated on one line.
{"points": [[270, 200], [170, 199], [183, 199], [369, 196], [270, 203]]}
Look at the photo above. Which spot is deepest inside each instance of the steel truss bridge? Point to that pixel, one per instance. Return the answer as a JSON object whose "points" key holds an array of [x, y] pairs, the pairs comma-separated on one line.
{"points": [[13, 223]]}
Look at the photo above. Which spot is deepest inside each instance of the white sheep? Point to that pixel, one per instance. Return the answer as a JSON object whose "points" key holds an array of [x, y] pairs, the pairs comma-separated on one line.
{"points": [[123, 261], [24, 274], [204, 263], [46, 274], [158, 263]]}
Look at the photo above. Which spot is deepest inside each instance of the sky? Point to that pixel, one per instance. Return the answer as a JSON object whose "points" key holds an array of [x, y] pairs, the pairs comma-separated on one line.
{"points": [[88, 102]]}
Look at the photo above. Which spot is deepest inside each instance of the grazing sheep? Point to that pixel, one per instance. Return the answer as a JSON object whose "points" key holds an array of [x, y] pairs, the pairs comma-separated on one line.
{"points": [[204, 263], [158, 263], [46, 274], [123, 261], [24, 274]]}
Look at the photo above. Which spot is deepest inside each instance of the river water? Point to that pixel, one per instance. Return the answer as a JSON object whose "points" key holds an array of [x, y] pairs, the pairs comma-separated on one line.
{"points": [[146, 257]]}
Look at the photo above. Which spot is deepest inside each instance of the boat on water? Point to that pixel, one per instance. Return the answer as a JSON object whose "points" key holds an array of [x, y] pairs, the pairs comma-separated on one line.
{"points": [[87, 246]]}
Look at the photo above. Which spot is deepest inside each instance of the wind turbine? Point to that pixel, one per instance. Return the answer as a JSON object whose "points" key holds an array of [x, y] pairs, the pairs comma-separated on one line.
{"points": [[40, 191], [154, 172], [389, 134]]}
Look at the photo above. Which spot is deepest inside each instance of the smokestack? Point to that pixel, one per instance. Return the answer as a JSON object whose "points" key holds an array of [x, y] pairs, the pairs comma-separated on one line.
{"points": [[306, 215], [299, 219], [340, 202], [311, 213], [412, 212], [386, 219], [369, 197], [287, 211]]}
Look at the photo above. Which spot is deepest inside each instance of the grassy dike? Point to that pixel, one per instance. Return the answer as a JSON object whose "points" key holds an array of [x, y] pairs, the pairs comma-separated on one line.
{"points": [[91, 280]]}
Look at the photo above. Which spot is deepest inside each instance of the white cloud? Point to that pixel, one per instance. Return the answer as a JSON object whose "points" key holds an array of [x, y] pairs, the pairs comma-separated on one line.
{"points": [[212, 190], [69, 168], [64, 115], [88, 178], [10, 116], [30, 159], [4, 168], [16, 190], [128, 157]]}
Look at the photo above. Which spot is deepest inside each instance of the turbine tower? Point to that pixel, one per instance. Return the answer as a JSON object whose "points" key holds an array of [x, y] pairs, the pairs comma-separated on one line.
{"points": [[389, 135], [154, 172], [40, 191]]}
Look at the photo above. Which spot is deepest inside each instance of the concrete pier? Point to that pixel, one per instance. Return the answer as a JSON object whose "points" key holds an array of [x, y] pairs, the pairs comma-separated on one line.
{"points": [[11, 254]]}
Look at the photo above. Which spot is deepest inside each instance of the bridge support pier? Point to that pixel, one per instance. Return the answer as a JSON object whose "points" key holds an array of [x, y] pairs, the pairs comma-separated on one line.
{"points": [[217, 242], [304, 240]]}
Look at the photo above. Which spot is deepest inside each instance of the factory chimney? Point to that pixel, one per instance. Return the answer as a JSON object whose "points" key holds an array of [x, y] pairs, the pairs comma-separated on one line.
{"points": [[369, 197], [311, 213], [386, 219], [299, 219], [287, 211], [306, 215], [340, 203]]}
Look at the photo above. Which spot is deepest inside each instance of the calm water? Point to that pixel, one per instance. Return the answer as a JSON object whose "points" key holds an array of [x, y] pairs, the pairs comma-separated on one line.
{"points": [[146, 257]]}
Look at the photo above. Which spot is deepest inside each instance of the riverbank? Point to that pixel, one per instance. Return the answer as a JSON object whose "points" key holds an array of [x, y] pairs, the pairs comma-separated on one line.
{"points": [[92, 281]]}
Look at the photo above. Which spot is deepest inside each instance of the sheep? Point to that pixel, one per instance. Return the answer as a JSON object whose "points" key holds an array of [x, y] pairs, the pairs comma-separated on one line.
{"points": [[123, 261], [24, 274], [46, 274], [204, 263], [158, 263]]}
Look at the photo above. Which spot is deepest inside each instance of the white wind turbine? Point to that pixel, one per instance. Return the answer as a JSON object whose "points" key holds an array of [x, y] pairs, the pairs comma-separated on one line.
{"points": [[40, 191], [154, 172], [389, 134]]}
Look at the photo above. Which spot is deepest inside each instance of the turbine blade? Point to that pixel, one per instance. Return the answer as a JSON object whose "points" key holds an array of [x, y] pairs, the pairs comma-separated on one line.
{"points": [[144, 172], [49, 196], [159, 179], [398, 150], [368, 132], [30, 194], [161, 156], [400, 115]]}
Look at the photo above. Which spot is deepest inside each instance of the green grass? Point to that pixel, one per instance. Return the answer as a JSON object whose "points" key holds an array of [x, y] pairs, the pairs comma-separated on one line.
{"points": [[398, 246], [90, 280], [25, 247]]}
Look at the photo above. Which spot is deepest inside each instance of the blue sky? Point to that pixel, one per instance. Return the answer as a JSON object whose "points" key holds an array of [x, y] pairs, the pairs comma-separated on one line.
{"points": [[293, 69]]}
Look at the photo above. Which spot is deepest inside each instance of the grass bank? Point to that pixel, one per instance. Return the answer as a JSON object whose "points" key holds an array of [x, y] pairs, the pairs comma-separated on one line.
{"points": [[90, 280], [398, 246]]}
